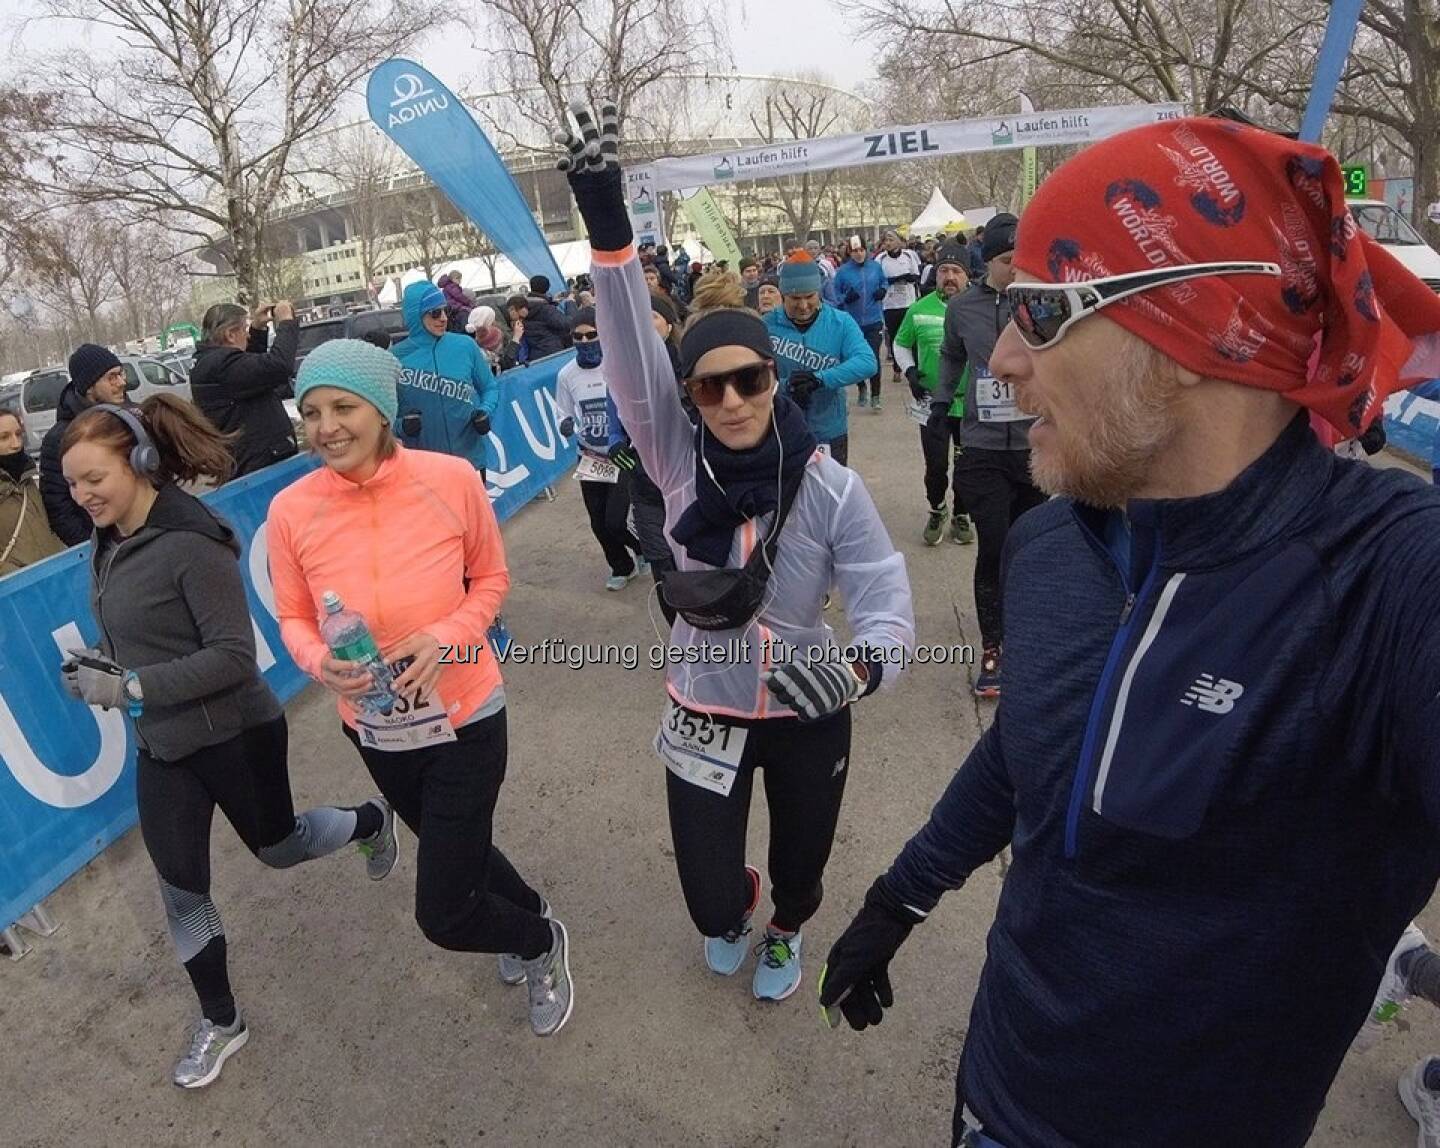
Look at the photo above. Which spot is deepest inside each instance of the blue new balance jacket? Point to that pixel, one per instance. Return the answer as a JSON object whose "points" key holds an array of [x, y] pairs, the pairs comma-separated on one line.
{"points": [[1217, 763], [446, 380], [864, 279], [835, 350]]}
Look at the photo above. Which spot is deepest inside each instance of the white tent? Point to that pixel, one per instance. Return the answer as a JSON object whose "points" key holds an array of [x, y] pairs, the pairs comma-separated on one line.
{"points": [[938, 216]]}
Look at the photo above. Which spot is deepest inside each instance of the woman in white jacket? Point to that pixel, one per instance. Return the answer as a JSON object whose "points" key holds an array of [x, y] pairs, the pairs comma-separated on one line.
{"points": [[763, 524]]}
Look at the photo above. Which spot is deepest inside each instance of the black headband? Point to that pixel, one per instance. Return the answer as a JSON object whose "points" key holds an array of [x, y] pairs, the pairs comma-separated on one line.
{"points": [[726, 327]]}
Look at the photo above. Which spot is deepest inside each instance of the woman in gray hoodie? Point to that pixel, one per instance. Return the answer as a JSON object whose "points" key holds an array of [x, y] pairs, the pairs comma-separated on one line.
{"points": [[177, 652]]}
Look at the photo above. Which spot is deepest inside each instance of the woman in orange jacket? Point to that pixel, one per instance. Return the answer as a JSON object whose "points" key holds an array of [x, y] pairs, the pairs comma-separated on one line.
{"points": [[408, 539]]}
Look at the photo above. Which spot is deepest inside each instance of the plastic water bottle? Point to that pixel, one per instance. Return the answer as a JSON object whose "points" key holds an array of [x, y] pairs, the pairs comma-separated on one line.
{"points": [[350, 640], [499, 636]]}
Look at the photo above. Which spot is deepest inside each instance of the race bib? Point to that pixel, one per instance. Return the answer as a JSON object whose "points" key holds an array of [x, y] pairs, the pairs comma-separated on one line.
{"points": [[413, 723], [918, 410], [994, 399], [700, 749], [898, 295], [593, 468]]}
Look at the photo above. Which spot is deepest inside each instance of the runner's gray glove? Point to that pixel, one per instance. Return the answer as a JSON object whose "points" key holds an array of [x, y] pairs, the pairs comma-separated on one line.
{"points": [[815, 690], [593, 168], [97, 680], [70, 670]]}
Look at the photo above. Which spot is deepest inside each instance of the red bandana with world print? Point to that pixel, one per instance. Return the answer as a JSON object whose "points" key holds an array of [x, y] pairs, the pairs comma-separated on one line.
{"points": [[1343, 327]]}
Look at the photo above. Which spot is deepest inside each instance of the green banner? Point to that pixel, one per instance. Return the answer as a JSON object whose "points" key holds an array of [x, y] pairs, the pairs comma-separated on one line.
{"points": [[702, 210]]}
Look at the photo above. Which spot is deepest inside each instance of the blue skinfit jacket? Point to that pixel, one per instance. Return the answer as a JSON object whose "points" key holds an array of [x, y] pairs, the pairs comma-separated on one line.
{"points": [[835, 350], [1217, 762], [864, 279], [445, 380]]}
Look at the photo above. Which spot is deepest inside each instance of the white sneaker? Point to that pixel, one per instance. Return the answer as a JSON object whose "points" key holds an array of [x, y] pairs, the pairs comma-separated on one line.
{"points": [[1422, 1104], [1392, 994]]}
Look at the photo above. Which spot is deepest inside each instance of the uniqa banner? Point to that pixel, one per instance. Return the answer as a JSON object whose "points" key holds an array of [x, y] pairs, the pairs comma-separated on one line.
{"points": [[702, 211], [913, 141], [440, 135], [67, 771]]}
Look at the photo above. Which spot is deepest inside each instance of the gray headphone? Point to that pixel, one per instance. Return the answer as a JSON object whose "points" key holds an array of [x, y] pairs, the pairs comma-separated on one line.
{"points": [[144, 458]]}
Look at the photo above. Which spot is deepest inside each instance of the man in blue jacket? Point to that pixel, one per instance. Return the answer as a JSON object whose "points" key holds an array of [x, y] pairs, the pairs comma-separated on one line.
{"points": [[859, 289], [1217, 758], [447, 393], [818, 351]]}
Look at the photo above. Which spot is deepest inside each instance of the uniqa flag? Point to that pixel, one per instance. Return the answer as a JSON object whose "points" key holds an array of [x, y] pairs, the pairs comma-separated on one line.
{"points": [[435, 130]]}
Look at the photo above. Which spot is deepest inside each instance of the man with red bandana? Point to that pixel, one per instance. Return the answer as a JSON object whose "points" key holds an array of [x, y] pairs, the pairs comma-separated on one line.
{"points": [[1217, 757]]}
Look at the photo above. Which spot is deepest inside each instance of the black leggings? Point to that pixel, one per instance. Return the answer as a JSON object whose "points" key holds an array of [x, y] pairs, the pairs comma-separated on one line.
{"points": [[893, 318], [997, 490], [805, 766], [840, 449], [468, 897], [249, 779], [936, 437], [608, 504], [875, 336]]}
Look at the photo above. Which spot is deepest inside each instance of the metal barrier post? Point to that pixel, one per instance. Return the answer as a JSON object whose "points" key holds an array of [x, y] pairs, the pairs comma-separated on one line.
{"points": [[37, 921], [548, 494], [14, 943]]}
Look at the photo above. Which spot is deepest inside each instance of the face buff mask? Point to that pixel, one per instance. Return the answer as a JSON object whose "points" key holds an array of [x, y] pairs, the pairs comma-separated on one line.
{"points": [[588, 354]]}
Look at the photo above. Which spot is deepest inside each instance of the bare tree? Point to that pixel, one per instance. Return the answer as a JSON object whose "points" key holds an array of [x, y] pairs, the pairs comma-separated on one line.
{"points": [[544, 53], [72, 268], [151, 279], [200, 115], [23, 162], [796, 113], [366, 166], [433, 230]]}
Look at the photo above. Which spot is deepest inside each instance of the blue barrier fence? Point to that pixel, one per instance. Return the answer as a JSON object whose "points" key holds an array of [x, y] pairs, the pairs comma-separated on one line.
{"points": [[67, 788], [1412, 419]]}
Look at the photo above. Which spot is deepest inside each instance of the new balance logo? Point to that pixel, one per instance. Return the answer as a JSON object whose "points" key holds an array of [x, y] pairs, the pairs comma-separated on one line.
{"points": [[839, 767], [1216, 696]]}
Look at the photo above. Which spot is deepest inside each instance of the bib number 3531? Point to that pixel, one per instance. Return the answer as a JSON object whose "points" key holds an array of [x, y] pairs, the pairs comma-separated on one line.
{"points": [[700, 749]]}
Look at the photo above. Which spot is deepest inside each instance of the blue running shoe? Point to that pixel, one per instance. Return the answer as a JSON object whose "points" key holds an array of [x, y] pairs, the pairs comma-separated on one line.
{"points": [[726, 954], [778, 973]]}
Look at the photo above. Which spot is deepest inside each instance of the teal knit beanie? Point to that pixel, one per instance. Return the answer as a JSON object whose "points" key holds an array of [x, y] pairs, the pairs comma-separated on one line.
{"points": [[352, 365]]}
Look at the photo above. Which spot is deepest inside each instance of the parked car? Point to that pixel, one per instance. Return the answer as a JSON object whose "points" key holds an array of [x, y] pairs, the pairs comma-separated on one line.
{"points": [[40, 391], [391, 320], [1391, 229]]}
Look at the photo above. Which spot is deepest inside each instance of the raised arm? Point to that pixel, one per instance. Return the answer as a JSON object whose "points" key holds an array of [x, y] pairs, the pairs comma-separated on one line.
{"points": [[639, 374]]}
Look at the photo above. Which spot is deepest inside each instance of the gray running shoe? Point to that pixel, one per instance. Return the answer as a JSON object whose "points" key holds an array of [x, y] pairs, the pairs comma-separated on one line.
{"points": [[552, 995], [512, 967], [209, 1047], [382, 851]]}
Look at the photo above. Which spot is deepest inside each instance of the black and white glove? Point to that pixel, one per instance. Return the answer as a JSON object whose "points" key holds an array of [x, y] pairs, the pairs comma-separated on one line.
{"points": [[567, 427], [593, 169], [480, 420], [94, 679], [817, 689], [856, 976], [802, 385], [852, 295], [912, 376], [623, 455]]}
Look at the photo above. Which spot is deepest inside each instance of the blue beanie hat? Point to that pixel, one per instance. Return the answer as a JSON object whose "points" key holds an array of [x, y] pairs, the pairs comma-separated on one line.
{"points": [[352, 365], [799, 275]]}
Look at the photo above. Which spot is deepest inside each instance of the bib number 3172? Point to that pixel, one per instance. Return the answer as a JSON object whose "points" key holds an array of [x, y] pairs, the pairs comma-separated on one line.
{"points": [[700, 749]]}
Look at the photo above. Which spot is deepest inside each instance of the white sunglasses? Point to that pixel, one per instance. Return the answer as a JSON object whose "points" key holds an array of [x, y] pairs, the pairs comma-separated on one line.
{"points": [[1043, 312]]}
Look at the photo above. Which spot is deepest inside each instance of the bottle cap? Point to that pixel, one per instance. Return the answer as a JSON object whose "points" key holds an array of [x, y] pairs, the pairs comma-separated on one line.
{"points": [[332, 602]]}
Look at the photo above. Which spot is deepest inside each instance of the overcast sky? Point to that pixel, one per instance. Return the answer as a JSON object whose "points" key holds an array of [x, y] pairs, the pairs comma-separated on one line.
{"points": [[767, 37]]}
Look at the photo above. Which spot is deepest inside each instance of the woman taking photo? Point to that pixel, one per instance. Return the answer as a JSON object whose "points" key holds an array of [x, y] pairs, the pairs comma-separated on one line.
{"points": [[25, 534], [177, 653], [764, 525], [407, 539]]}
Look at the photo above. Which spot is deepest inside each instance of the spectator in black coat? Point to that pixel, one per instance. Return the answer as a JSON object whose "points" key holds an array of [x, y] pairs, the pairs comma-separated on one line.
{"points": [[240, 385], [546, 330], [96, 376]]}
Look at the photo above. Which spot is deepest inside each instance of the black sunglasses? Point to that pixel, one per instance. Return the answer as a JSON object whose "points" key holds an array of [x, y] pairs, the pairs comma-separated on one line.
{"points": [[750, 380], [585, 336], [437, 313]]}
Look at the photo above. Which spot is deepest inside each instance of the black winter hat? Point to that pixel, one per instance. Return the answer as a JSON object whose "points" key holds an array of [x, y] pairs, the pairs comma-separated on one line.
{"points": [[956, 253], [584, 317], [665, 309], [539, 285], [88, 362], [999, 236]]}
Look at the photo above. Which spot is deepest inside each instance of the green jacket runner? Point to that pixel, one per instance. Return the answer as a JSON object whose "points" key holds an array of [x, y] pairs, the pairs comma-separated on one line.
{"points": [[922, 330]]}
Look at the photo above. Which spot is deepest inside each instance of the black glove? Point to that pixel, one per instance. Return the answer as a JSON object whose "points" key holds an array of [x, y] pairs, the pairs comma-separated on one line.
{"points": [[623, 455], [879, 294], [410, 424], [802, 385], [939, 414], [481, 422], [917, 392], [596, 182], [852, 295], [567, 427], [856, 974], [1373, 440]]}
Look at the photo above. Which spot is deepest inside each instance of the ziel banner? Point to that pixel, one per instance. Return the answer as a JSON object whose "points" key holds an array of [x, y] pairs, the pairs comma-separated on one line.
{"points": [[914, 141], [435, 130], [702, 210], [67, 771], [646, 218]]}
